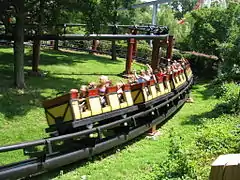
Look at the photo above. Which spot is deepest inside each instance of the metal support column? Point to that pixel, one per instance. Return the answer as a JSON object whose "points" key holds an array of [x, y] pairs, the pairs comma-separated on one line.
{"points": [[154, 14], [114, 48], [129, 56], [154, 18], [155, 54], [170, 47], [134, 32], [64, 32]]}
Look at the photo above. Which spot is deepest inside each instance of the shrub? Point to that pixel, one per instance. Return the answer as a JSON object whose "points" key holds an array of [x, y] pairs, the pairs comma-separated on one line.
{"points": [[105, 46], [215, 136], [178, 164], [229, 93], [231, 97], [218, 136]]}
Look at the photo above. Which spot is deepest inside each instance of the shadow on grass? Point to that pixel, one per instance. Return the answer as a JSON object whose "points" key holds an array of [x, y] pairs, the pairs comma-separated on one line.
{"points": [[207, 92], [6, 58], [49, 57], [17, 103], [72, 167], [219, 109]]}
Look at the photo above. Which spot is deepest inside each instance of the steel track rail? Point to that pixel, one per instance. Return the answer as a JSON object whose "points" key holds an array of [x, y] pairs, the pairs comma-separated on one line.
{"points": [[89, 37], [35, 166]]}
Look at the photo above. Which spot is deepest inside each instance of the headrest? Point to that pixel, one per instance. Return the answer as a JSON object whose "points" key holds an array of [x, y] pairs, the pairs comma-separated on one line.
{"points": [[150, 82], [160, 79], [126, 87], [74, 93], [93, 92], [167, 77], [112, 89]]}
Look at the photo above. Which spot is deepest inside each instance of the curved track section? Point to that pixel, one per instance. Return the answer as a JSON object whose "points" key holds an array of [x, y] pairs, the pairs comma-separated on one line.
{"points": [[52, 157]]}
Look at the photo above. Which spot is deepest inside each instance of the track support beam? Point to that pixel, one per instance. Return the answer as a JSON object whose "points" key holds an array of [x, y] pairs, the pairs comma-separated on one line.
{"points": [[155, 54], [170, 47], [131, 43]]}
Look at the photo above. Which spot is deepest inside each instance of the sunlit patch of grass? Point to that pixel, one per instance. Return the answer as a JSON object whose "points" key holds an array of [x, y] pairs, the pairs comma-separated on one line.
{"points": [[22, 117]]}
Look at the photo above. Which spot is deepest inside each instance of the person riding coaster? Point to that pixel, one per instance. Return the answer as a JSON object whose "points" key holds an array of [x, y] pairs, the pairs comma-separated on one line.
{"points": [[120, 91], [104, 82], [82, 98], [102, 89], [145, 75]]}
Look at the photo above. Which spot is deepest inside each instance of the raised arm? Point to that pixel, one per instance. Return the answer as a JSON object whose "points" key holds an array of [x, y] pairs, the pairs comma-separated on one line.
{"points": [[135, 74], [150, 68]]}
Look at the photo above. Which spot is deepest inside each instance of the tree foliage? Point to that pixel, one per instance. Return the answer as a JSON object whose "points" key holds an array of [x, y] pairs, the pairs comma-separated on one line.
{"points": [[166, 17], [181, 7], [45, 15], [216, 31]]}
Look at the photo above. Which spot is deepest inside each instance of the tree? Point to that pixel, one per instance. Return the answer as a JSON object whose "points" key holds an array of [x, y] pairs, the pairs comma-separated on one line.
{"points": [[41, 13], [216, 31], [181, 7], [166, 17], [108, 14], [6, 11], [18, 45]]}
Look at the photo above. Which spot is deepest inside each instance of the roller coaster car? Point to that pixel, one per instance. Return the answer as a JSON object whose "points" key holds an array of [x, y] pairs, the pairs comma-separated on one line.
{"points": [[59, 109], [62, 111], [188, 72], [65, 114]]}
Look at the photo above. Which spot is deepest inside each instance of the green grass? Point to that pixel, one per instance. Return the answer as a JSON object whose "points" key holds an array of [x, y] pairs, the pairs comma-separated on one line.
{"points": [[139, 159], [22, 118]]}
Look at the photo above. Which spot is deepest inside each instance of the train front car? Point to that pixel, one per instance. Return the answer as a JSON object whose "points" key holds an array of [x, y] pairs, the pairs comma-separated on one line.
{"points": [[65, 113]]}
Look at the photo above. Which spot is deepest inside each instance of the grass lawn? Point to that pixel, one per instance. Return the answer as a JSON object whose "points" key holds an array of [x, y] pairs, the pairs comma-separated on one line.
{"points": [[22, 118], [139, 158]]}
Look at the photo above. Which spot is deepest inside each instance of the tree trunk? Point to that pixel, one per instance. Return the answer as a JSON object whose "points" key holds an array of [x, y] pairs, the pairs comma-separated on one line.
{"points": [[36, 56], [55, 42], [37, 42], [55, 45], [114, 52], [19, 46]]}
